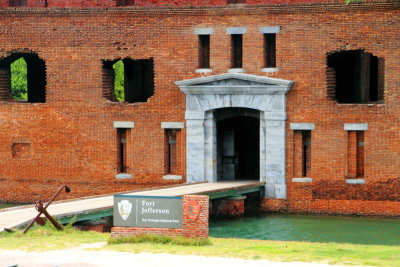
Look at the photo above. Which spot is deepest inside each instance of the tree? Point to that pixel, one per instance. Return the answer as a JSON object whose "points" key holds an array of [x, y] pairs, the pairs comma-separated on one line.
{"points": [[19, 80], [119, 80]]}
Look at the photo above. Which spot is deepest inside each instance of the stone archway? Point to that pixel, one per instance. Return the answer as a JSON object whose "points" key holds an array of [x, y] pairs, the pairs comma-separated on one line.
{"points": [[207, 94]]}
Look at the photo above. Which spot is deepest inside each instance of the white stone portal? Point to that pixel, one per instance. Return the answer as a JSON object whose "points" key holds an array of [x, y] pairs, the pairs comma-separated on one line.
{"points": [[205, 95]]}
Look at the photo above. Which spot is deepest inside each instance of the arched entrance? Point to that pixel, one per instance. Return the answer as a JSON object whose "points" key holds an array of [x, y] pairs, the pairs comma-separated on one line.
{"points": [[238, 144], [231, 92]]}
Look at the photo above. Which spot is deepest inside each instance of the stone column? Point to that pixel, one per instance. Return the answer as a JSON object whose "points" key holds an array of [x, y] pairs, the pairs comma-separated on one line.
{"points": [[262, 147], [195, 149], [275, 155], [210, 129]]}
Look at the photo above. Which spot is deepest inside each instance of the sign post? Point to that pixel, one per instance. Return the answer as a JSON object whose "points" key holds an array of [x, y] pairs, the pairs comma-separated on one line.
{"points": [[147, 211]]}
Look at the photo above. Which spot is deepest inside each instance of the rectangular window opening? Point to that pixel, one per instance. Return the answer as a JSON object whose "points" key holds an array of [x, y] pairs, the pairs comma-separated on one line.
{"points": [[204, 51], [235, 2], [171, 151], [306, 137], [236, 50], [125, 2], [360, 154], [15, 3], [302, 153], [355, 154], [121, 150], [269, 50], [128, 80], [355, 76]]}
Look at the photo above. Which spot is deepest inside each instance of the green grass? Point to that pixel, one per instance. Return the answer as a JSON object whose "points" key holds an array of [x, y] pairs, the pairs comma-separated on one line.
{"points": [[42, 238], [332, 253], [155, 239], [48, 238]]}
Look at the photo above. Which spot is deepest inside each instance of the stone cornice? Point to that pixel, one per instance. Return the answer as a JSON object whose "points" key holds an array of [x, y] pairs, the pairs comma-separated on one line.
{"points": [[234, 84]]}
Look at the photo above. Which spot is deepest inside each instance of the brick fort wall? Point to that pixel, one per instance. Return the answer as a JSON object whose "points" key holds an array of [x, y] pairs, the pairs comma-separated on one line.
{"points": [[71, 140]]}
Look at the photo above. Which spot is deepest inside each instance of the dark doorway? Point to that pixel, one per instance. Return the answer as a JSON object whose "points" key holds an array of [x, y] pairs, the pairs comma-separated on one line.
{"points": [[238, 148]]}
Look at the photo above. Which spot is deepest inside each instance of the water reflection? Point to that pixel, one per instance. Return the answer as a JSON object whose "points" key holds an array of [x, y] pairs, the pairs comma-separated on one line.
{"points": [[310, 228]]}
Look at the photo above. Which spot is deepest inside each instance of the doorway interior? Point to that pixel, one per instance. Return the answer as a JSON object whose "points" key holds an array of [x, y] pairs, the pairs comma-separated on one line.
{"points": [[238, 144]]}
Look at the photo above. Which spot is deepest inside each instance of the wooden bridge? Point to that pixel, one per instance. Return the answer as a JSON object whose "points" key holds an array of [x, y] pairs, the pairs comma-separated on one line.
{"points": [[92, 208]]}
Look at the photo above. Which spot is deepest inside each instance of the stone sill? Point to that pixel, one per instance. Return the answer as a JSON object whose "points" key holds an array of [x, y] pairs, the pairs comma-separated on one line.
{"points": [[172, 177], [355, 181], [123, 176], [236, 70], [302, 180], [203, 71], [269, 70], [371, 104]]}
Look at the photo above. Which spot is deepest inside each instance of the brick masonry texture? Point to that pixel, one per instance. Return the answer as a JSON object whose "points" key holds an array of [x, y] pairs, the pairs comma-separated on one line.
{"points": [[141, 3], [70, 139], [190, 228], [228, 207]]}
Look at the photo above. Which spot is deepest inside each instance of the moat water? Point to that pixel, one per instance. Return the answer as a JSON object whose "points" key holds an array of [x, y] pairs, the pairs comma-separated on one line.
{"points": [[4, 206], [311, 228]]}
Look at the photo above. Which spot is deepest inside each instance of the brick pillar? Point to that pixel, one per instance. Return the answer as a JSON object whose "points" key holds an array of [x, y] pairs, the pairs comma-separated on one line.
{"points": [[195, 226], [229, 207], [5, 85], [108, 81]]}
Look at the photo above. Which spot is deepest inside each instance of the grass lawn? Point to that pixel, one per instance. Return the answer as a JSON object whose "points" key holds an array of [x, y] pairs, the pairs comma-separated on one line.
{"points": [[46, 238]]}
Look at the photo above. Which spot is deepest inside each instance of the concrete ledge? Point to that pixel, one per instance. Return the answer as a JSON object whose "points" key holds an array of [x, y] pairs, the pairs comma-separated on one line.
{"points": [[302, 180], [274, 29], [269, 70], [203, 31], [356, 126], [236, 30], [172, 125], [302, 126], [236, 70], [203, 71], [124, 124], [172, 177], [123, 176], [355, 181]]}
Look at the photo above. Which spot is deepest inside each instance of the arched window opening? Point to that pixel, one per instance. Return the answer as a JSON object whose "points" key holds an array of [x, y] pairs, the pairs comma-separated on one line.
{"points": [[128, 80], [23, 78], [355, 76]]}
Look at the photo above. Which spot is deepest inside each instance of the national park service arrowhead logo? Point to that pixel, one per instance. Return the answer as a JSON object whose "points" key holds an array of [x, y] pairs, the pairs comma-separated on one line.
{"points": [[193, 210], [124, 208]]}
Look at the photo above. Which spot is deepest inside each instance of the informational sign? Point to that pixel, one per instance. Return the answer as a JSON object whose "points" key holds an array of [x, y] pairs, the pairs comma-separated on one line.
{"points": [[146, 211]]}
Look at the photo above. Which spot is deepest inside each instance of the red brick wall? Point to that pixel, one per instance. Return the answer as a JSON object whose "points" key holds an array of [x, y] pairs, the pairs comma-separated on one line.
{"points": [[229, 207], [197, 228], [72, 139], [181, 3]]}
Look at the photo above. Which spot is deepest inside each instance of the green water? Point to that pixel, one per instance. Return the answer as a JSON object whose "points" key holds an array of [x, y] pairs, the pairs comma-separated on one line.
{"points": [[3, 206], [309, 228]]}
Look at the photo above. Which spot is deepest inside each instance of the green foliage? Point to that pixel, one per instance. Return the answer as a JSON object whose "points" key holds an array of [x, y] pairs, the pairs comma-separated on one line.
{"points": [[350, 1], [19, 82], [157, 239], [119, 80]]}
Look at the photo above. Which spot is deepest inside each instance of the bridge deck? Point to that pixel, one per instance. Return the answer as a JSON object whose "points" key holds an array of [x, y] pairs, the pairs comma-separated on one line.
{"points": [[102, 205]]}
